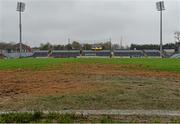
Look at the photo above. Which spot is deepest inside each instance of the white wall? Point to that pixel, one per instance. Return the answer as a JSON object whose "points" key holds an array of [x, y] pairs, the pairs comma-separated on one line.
{"points": [[17, 55]]}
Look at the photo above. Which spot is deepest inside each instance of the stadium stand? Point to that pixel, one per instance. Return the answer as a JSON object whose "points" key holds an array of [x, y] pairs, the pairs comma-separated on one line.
{"points": [[175, 55], [152, 53], [88, 53], [96, 53], [169, 52], [128, 53], [40, 54], [65, 54], [103, 53]]}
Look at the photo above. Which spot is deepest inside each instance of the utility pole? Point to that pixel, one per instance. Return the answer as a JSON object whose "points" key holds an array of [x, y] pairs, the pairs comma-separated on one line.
{"points": [[69, 41], [121, 43], [20, 8], [20, 34], [110, 40], [160, 7], [161, 44]]}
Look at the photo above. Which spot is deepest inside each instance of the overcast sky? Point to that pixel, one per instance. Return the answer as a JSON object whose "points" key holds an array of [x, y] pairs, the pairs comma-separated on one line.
{"points": [[136, 21]]}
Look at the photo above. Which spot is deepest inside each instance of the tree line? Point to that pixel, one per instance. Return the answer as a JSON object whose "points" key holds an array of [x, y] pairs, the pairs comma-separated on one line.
{"points": [[155, 46], [75, 45]]}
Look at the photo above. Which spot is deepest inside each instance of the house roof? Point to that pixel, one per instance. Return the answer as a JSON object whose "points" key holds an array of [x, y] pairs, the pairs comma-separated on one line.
{"points": [[5, 45], [16, 46], [2, 56], [13, 46]]}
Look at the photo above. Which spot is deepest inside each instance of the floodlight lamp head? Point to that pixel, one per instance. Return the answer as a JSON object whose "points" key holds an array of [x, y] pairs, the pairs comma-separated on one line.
{"points": [[20, 6], [160, 6]]}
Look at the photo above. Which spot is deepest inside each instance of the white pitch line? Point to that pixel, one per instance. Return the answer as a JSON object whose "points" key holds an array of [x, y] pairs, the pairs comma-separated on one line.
{"points": [[108, 112]]}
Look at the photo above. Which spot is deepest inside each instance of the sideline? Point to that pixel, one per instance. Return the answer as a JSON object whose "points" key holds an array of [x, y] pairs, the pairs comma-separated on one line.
{"points": [[108, 112]]}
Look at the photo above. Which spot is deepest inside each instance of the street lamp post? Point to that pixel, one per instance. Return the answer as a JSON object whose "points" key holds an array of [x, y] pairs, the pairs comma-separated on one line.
{"points": [[160, 7], [110, 47], [20, 8]]}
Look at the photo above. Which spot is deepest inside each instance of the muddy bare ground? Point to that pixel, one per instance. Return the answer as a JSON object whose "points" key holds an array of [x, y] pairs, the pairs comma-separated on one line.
{"points": [[71, 79]]}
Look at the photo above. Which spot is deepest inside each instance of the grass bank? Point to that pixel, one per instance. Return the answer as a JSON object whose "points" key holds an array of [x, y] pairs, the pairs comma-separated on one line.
{"points": [[39, 117], [172, 65]]}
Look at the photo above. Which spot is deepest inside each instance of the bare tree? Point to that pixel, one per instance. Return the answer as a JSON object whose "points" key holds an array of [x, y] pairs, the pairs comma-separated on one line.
{"points": [[115, 46], [177, 36]]}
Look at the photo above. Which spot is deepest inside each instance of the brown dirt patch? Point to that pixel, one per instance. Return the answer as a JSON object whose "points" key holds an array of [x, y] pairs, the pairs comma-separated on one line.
{"points": [[41, 83], [69, 79], [121, 70]]}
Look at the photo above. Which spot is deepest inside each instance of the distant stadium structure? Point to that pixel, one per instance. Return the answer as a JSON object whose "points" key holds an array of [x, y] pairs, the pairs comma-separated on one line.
{"points": [[128, 53], [65, 54], [96, 53], [100, 50], [42, 53], [152, 53], [176, 55], [89, 53], [92, 53], [13, 50]]}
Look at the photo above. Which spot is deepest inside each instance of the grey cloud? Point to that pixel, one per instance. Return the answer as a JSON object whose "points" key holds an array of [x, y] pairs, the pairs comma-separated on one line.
{"points": [[55, 20]]}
